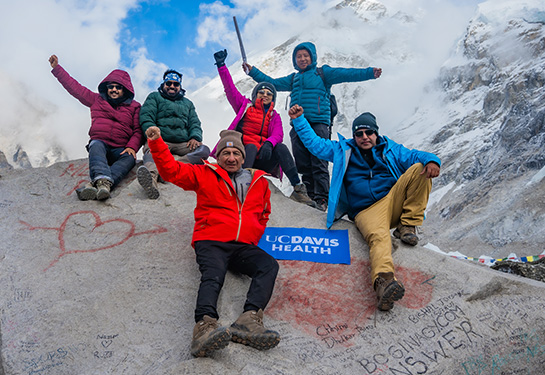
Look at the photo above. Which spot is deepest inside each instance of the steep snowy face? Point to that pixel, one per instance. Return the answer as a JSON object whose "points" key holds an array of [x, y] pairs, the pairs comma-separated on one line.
{"points": [[489, 127]]}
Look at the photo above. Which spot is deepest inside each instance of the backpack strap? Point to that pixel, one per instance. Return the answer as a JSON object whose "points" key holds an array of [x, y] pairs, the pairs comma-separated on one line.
{"points": [[320, 72]]}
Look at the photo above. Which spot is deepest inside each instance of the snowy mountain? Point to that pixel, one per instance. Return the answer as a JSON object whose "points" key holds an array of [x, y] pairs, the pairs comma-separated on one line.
{"points": [[489, 129], [476, 100]]}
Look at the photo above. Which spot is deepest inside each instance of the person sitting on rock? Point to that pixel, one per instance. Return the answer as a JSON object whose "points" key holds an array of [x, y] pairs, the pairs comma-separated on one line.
{"points": [[381, 185], [115, 133], [233, 208], [173, 113], [262, 130]]}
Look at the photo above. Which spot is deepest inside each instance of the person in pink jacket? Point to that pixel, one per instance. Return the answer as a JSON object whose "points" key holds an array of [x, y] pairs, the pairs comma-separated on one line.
{"points": [[262, 130], [115, 133]]}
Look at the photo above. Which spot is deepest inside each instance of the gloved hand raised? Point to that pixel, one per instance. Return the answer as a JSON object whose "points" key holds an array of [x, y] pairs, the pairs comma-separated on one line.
{"points": [[265, 152], [220, 57]]}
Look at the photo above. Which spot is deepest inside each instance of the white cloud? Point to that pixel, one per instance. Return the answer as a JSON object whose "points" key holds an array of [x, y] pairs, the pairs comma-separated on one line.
{"points": [[264, 24], [35, 109]]}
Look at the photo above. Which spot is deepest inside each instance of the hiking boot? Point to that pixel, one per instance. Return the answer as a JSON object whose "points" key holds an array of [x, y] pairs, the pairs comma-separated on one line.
{"points": [[198, 155], [407, 234], [321, 204], [148, 181], [388, 290], [87, 193], [103, 189], [299, 194], [249, 330], [208, 337]]}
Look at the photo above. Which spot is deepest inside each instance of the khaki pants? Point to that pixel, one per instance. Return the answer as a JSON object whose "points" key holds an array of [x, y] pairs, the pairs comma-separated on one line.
{"points": [[405, 204]]}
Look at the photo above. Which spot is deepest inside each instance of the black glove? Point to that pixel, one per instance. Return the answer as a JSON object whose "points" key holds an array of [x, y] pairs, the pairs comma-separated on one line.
{"points": [[265, 152], [220, 57]]}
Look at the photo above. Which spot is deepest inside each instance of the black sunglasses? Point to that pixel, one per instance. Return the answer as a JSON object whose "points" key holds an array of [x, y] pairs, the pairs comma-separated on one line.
{"points": [[368, 132], [113, 86], [172, 83]]}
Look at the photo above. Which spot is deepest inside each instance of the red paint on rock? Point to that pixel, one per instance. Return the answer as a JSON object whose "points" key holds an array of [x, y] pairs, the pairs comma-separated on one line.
{"points": [[312, 295]]}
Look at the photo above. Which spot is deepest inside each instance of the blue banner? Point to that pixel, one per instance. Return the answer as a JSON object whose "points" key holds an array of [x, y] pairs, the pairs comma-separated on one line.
{"points": [[312, 245]]}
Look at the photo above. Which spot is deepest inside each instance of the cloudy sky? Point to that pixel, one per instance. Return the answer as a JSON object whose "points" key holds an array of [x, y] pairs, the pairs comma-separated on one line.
{"points": [[145, 37]]}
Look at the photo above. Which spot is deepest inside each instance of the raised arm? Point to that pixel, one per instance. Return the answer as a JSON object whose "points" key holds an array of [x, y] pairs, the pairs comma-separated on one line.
{"points": [[235, 98], [281, 84], [340, 75], [74, 88]]}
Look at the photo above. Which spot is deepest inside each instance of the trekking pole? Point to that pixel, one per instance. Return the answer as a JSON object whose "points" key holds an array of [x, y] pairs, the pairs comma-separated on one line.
{"points": [[242, 51]]}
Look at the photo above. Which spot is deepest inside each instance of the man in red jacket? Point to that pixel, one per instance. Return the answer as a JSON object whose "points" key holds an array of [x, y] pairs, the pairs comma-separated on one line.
{"points": [[233, 208]]}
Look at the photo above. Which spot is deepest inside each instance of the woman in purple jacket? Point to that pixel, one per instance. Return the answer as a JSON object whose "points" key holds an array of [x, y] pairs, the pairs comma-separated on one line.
{"points": [[115, 133], [262, 130]]}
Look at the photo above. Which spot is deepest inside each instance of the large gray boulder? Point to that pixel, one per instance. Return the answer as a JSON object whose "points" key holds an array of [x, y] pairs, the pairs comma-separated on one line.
{"points": [[110, 287]]}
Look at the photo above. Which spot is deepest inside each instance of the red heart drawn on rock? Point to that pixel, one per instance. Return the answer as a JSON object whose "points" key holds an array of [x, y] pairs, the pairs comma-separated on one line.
{"points": [[84, 231]]}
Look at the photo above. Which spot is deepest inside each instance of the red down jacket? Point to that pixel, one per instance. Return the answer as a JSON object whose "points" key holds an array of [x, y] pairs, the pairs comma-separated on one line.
{"points": [[219, 214]]}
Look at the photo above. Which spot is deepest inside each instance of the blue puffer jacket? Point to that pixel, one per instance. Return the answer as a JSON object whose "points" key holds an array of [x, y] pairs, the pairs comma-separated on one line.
{"points": [[307, 87], [398, 157]]}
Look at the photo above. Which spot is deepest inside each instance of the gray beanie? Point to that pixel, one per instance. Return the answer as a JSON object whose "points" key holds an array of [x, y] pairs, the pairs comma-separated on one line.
{"points": [[365, 121], [230, 138], [263, 85]]}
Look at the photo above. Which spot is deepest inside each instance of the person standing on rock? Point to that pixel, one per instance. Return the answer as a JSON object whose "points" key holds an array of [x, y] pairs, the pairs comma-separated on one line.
{"points": [[262, 130], [173, 113], [115, 131], [310, 87], [381, 185], [233, 208]]}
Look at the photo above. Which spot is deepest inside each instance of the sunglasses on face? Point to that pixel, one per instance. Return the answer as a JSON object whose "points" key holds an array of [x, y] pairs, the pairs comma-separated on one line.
{"points": [[265, 92], [368, 132], [172, 83], [114, 86]]}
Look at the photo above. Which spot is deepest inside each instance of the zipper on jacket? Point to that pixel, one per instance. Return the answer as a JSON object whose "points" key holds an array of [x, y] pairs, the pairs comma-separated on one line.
{"points": [[261, 131], [242, 206]]}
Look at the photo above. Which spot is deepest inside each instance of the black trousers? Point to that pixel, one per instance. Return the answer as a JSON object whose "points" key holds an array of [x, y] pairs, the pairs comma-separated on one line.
{"points": [[215, 258], [314, 171], [280, 156]]}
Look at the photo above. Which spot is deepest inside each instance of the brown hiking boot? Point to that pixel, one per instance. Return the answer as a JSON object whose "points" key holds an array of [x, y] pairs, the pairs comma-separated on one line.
{"points": [[300, 195], [388, 290], [148, 180], [208, 337], [87, 193], [407, 234], [103, 189], [249, 330]]}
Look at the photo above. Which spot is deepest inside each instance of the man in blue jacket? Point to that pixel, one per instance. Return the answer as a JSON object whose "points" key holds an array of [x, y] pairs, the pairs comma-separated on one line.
{"points": [[381, 185]]}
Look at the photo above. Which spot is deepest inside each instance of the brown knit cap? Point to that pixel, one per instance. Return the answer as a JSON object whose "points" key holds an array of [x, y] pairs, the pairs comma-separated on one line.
{"points": [[230, 138]]}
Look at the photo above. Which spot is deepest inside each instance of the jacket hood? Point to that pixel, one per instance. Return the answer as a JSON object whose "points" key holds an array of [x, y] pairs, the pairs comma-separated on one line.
{"points": [[118, 76], [311, 48]]}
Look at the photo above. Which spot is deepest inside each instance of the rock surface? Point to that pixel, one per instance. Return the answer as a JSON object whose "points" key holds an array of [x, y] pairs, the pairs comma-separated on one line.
{"points": [[110, 287]]}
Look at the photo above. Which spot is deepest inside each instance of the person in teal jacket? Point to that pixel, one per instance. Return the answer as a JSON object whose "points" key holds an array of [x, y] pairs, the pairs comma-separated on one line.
{"points": [[312, 91], [169, 110], [381, 185]]}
